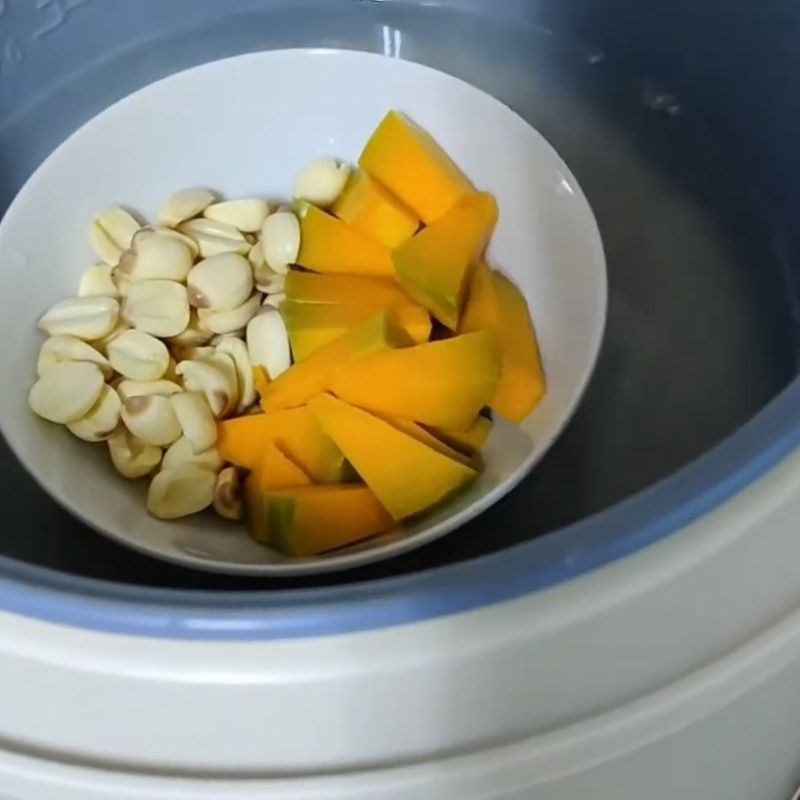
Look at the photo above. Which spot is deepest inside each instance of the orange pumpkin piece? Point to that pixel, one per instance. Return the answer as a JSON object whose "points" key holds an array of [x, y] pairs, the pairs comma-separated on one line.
{"points": [[370, 208], [469, 440], [409, 162], [425, 436], [244, 440], [433, 266], [443, 383], [310, 377], [274, 471], [496, 304], [344, 290], [329, 245], [480, 307], [406, 475], [309, 520], [311, 326]]}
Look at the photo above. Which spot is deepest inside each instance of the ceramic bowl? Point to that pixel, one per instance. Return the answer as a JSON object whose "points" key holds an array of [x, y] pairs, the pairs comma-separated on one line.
{"points": [[246, 126]]}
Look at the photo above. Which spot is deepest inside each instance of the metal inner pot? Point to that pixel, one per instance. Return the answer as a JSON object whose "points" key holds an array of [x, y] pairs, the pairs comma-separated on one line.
{"points": [[663, 115]]}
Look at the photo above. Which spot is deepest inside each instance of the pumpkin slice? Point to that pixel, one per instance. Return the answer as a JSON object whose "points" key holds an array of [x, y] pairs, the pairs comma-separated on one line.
{"points": [[495, 303], [310, 377], [243, 441], [329, 245], [408, 161], [434, 266], [344, 290], [369, 207], [310, 520], [444, 383], [311, 326], [274, 471], [469, 440], [426, 437], [406, 475], [480, 307]]}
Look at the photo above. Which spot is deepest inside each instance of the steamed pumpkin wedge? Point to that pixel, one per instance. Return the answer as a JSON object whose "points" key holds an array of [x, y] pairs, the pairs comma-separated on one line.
{"points": [[423, 435], [312, 376], [369, 207], [409, 162], [329, 245], [470, 439], [310, 520], [311, 326], [371, 292], [434, 265], [443, 383], [496, 304], [242, 441], [274, 471], [406, 475]]}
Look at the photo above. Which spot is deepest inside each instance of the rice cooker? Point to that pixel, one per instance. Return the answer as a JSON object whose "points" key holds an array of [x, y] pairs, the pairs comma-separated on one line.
{"points": [[626, 623]]}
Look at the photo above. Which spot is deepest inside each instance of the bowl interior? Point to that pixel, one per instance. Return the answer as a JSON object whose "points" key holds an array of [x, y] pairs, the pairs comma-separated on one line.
{"points": [[246, 125]]}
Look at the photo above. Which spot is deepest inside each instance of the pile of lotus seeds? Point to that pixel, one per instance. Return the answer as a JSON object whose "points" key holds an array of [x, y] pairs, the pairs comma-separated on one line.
{"points": [[163, 337]]}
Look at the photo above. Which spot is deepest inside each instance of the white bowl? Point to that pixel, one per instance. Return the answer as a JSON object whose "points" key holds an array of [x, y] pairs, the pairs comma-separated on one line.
{"points": [[244, 126]]}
